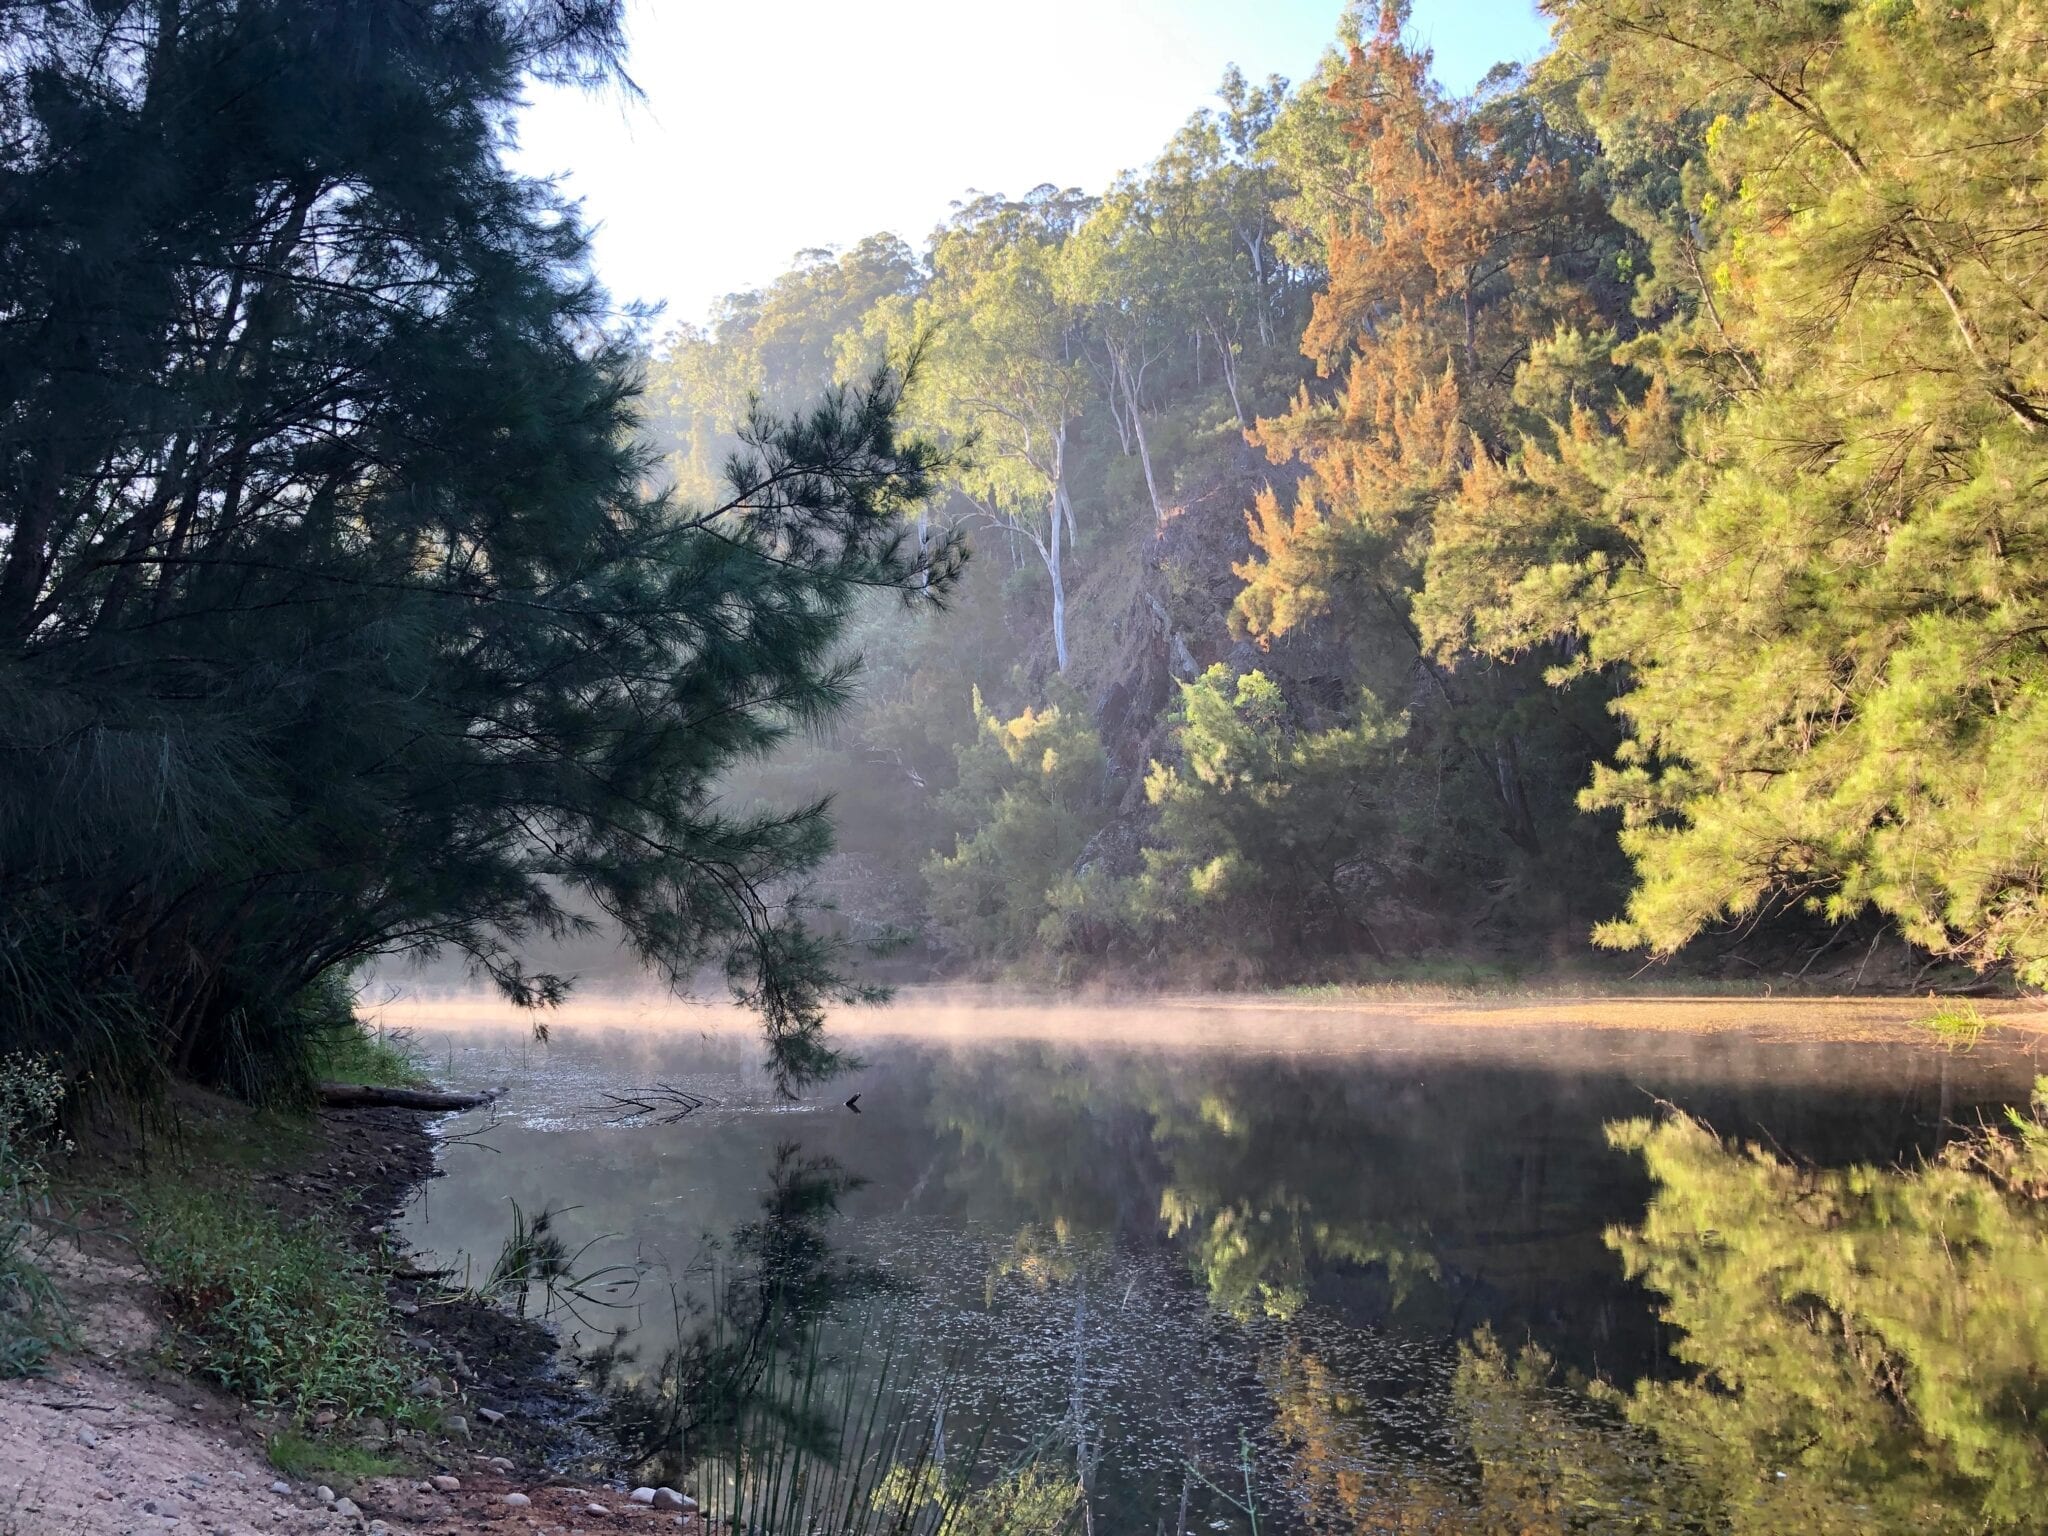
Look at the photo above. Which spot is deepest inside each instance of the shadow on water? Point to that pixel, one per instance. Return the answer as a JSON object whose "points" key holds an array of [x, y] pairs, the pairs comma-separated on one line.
{"points": [[1642, 1284]]}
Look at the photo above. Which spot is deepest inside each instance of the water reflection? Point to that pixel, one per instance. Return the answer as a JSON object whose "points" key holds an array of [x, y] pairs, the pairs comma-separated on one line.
{"points": [[762, 1300], [1869, 1347], [1510, 1288]]}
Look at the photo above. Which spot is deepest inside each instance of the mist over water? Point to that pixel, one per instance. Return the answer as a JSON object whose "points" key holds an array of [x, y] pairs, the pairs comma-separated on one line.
{"points": [[1137, 1234]]}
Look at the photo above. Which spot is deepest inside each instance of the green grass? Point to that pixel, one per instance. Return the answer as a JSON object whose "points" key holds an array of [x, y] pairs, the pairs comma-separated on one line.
{"points": [[211, 1136], [332, 1461], [275, 1312], [1957, 1025], [33, 1321], [369, 1055]]}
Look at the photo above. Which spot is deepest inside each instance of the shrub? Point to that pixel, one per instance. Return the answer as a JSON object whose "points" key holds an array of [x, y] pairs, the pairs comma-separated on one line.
{"points": [[1031, 793], [32, 1318], [1957, 1025], [353, 1052], [276, 1312]]}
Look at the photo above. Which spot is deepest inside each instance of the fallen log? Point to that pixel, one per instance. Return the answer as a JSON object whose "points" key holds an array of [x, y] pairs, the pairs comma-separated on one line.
{"points": [[361, 1096]]}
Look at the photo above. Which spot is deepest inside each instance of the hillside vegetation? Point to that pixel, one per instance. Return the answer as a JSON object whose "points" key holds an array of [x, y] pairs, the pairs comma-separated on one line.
{"points": [[1603, 510]]}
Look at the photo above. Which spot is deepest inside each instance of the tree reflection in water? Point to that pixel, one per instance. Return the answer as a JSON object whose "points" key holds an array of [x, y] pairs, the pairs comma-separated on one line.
{"points": [[1438, 1293], [760, 1305], [1857, 1348], [1869, 1346], [1867, 1351]]}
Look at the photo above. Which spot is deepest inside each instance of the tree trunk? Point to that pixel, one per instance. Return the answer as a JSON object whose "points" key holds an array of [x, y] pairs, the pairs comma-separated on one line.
{"points": [[1059, 586], [21, 579], [1062, 517], [1229, 366], [1138, 431], [366, 1096]]}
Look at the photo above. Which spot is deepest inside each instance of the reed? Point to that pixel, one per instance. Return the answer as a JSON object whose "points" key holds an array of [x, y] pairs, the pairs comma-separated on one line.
{"points": [[840, 1431]]}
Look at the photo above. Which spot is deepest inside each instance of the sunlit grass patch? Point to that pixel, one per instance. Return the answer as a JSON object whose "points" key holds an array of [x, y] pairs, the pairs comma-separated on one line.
{"points": [[369, 1054], [1957, 1024], [302, 1456]]}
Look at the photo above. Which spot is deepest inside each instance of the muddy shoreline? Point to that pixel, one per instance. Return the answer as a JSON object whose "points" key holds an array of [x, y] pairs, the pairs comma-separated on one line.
{"points": [[491, 1361]]}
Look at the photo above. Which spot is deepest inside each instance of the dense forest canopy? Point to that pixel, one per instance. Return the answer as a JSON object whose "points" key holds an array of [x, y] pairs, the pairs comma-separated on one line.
{"points": [[1602, 508]]}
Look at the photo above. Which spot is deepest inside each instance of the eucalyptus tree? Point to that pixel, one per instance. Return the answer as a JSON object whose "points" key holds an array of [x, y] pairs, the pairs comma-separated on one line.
{"points": [[335, 617], [1002, 368], [1221, 186], [784, 345], [1118, 271]]}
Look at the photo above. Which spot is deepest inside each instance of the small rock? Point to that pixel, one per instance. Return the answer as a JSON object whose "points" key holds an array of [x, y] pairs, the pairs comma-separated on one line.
{"points": [[642, 1495], [446, 1484], [281, 1488], [408, 1309], [455, 1427], [324, 1494], [323, 1418], [500, 1463], [88, 1436], [374, 1427], [490, 1415], [595, 1509], [379, 1528], [517, 1500], [346, 1508], [668, 1498], [427, 1386]]}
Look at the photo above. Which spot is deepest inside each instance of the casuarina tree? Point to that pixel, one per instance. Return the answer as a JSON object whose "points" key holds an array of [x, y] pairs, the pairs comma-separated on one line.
{"points": [[339, 614]]}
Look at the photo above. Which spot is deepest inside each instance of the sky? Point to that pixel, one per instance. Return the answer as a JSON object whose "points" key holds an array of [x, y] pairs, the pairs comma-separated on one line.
{"points": [[771, 126]]}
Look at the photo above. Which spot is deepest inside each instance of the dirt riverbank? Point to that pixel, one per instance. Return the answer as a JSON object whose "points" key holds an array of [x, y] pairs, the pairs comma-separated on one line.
{"points": [[113, 1440]]}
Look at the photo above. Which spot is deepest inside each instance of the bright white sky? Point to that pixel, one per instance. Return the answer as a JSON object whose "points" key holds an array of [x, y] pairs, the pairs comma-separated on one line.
{"points": [[773, 125]]}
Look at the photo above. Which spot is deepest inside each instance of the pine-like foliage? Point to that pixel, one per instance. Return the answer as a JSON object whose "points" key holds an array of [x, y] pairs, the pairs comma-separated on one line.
{"points": [[1835, 609], [336, 614]]}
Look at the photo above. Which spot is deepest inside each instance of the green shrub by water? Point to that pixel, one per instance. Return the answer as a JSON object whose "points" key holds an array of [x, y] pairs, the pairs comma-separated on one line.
{"points": [[275, 1312], [1957, 1024]]}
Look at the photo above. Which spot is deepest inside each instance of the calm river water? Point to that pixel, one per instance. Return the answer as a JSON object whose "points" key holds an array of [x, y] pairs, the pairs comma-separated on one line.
{"points": [[1414, 1274]]}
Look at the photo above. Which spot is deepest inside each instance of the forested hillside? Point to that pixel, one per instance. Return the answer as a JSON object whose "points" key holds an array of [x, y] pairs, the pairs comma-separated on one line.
{"points": [[1605, 509]]}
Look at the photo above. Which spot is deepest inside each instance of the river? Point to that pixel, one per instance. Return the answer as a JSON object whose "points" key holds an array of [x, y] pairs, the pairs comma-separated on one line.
{"points": [[1434, 1266]]}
